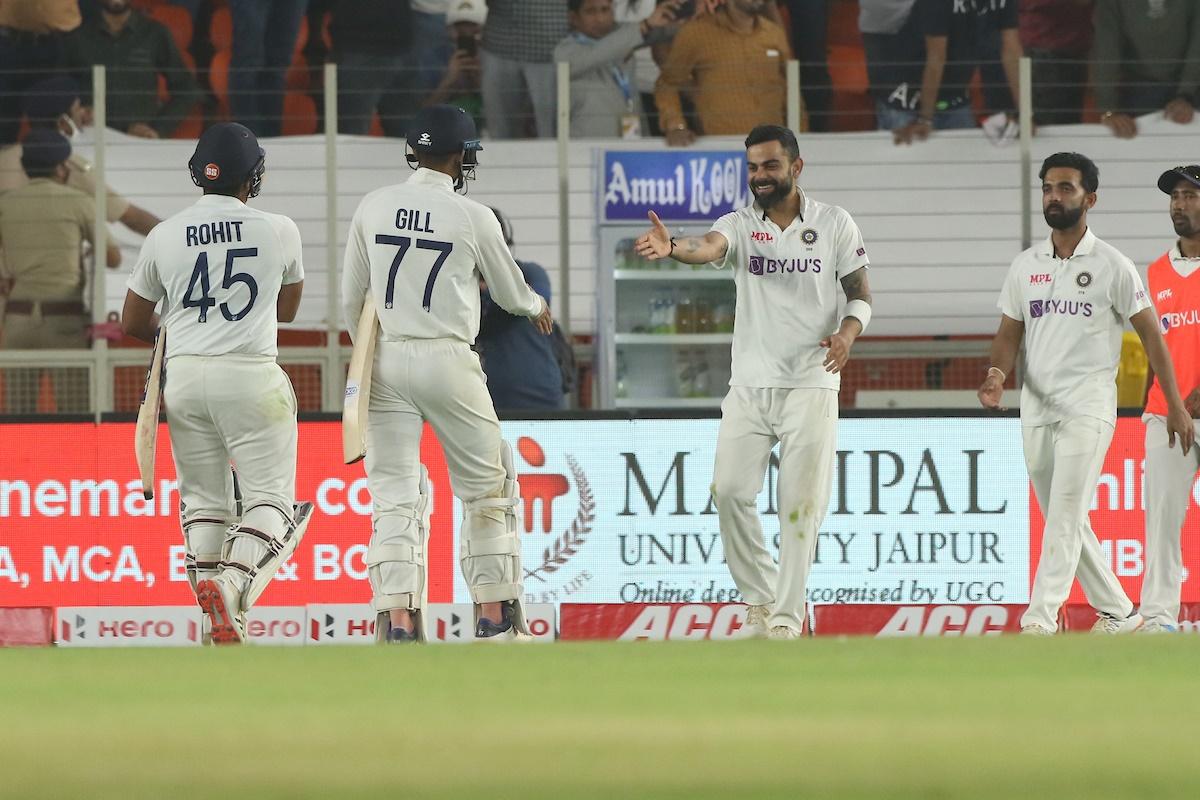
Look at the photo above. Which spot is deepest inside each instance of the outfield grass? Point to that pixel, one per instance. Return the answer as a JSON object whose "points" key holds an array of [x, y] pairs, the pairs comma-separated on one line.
{"points": [[1071, 717]]}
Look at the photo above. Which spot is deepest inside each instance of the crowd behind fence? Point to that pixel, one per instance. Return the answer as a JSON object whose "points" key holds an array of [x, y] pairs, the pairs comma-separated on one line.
{"points": [[993, 206]]}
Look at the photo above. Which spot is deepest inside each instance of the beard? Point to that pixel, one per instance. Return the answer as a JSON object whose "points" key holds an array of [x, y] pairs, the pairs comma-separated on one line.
{"points": [[1184, 227], [779, 192], [1061, 218]]}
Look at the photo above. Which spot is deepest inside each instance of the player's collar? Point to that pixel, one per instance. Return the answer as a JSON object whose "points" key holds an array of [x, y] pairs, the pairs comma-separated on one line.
{"points": [[219, 201], [431, 177], [1085, 247]]}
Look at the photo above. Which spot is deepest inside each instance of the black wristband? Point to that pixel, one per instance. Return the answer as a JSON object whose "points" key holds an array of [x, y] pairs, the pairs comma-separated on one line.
{"points": [[672, 250]]}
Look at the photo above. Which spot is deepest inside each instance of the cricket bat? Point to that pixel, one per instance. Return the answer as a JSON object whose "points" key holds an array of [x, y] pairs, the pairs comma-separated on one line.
{"points": [[358, 384], [145, 435]]}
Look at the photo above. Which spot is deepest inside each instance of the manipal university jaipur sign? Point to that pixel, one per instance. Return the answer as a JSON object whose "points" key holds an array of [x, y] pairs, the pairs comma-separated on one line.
{"points": [[677, 185], [615, 511]]}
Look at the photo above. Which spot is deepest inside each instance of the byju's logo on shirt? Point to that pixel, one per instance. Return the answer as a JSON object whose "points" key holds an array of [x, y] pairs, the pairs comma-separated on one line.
{"points": [[1068, 308], [769, 266], [1179, 319]]}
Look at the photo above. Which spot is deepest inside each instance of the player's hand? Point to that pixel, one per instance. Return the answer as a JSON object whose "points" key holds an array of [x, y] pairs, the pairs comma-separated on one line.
{"points": [[1123, 126], [142, 130], [680, 137], [916, 131], [1179, 110], [839, 351], [1179, 423], [654, 243], [990, 393], [544, 322], [1192, 403]]}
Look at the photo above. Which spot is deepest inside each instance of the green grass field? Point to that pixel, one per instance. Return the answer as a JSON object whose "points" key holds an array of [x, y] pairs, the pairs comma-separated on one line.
{"points": [[1071, 717]]}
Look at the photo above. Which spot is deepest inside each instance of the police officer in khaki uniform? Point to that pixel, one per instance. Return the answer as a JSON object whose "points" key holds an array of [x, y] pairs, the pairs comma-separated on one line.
{"points": [[54, 104], [42, 229]]}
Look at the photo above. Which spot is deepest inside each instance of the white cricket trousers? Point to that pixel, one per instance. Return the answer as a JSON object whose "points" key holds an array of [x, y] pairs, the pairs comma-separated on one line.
{"points": [[1170, 482], [439, 380], [1064, 461], [231, 408], [753, 420]]}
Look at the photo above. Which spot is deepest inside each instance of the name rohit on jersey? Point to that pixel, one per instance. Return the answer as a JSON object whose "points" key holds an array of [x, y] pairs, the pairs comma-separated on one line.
{"points": [[214, 233]]}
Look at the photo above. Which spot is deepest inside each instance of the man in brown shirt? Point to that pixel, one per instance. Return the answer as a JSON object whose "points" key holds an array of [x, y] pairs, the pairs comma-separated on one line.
{"points": [[30, 50], [732, 65], [42, 229]]}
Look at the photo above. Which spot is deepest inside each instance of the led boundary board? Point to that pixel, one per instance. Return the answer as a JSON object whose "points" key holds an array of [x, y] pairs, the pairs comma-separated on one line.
{"points": [[612, 511]]}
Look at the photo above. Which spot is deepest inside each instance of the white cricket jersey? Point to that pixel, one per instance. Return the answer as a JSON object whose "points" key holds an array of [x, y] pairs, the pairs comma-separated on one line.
{"points": [[219, 265], [787, 292], [420, 248], [1074, 310]]}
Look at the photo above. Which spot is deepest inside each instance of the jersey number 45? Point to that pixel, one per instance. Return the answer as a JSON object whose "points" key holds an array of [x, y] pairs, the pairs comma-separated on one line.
{"points": [[206, 300]]}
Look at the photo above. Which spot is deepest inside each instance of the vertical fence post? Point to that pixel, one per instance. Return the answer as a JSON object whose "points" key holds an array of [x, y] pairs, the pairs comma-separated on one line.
{"points": [[1025, 111], [333, 382], [794, 106], [101, 384], [564, 197]]}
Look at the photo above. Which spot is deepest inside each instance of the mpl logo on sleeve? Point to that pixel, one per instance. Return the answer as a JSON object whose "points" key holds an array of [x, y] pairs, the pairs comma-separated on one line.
{"points": [[917, 620], [655, 622], [280, 625], [125, 626]]}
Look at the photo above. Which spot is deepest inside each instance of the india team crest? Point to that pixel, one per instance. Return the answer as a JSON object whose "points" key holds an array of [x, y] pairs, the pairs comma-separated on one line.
{"points": [[1083, 279], [808, 236]]}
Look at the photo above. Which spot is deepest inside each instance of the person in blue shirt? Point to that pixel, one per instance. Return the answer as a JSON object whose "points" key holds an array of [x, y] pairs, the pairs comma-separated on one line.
{"points": [[522, 369]]}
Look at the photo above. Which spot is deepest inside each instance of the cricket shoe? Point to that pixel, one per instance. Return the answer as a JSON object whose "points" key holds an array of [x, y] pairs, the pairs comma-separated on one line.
{"points": [[755, 626], [222, 605], [488, 631], [1109, 625], [401, 636], [1153, 626], [1033, 629], [783, 632]]}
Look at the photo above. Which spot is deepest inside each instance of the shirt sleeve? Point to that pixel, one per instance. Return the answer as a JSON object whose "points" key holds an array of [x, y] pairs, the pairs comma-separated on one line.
{"points": [[356, 273], [850, 251], [1010, 304], [1127, 293], [293, 251], [676, 73], [726, 225], [145, 280], [494, 261]]}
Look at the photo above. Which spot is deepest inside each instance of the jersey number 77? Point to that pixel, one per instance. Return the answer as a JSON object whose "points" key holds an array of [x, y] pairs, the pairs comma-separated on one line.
{"points": [[403, 243]]}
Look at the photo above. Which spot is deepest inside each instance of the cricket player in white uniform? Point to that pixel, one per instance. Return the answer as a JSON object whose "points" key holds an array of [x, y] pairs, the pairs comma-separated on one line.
{"points": [[420, 248], [788, 253], [225, 274], [1068, 297], [1174, 283]]}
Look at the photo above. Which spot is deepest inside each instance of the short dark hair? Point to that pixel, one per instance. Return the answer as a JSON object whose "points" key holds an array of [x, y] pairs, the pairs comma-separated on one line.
{"points": [[574, 5], [40, 170], [775, 133], [1087, 168]]}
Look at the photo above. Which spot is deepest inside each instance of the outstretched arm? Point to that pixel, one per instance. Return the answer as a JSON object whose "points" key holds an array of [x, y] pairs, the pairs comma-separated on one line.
{"points": [[657, 243]]}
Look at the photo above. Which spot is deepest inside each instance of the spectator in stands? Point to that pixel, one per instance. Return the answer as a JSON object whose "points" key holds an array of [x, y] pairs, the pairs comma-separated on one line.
{"points": [[895, 52], [264, 39], [956, 37], [1057, 35], [517, 70], [604, 97], [732, 61], [42, 229], [460, 82], [55, 105], [1146, 57], [809, 23], [31, 34], [137, 51], [372, 44], [521, 366]]}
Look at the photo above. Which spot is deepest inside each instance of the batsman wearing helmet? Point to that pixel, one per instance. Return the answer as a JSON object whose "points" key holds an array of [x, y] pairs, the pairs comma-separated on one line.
{"points": [[419, 248], [226, 274]]}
